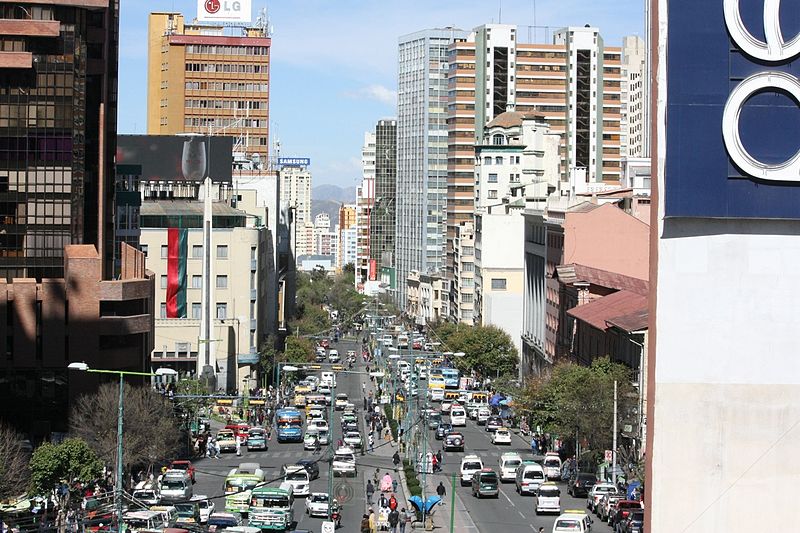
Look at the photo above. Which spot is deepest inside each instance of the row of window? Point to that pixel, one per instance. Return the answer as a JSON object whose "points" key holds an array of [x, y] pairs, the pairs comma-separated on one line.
{"points": [[217, 122], [197, 251], [227, 50], [222, 281], [194, 103], [226, 86], [227, 67], [499, 160]]}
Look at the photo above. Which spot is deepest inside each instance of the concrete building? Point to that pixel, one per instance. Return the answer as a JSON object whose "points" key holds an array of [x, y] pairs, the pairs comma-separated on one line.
{"points": [[633, 128], [365, 198], [603, 237], [201, 80], [422, 96], [462, 289], [347, 236], [309, 263], [296, 191], [241, 264], [63, 298], [428, 298], [382, 221]]}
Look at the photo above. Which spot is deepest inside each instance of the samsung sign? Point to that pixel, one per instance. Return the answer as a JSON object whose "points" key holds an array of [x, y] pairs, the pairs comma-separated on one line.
{"points": [[224, 11], [733, 122], [294, 162]]}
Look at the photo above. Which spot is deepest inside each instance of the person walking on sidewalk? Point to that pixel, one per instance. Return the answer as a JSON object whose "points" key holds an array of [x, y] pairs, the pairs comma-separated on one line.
{"points": [[394, 519], [396, 460], [371, 441], [365, 524], [440, 490], [370, 491], [406, 517]]}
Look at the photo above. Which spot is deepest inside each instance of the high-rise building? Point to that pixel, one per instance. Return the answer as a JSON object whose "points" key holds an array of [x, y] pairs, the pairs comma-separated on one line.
{"points": [[61, 298], [200, 80], [382, 222], [422, 151], [634, 86], [296, 191], [347, 236]]}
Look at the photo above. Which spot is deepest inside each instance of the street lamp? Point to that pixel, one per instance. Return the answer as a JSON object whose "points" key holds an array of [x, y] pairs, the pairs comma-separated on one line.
{"points": [[287, 367], [83, 367]]}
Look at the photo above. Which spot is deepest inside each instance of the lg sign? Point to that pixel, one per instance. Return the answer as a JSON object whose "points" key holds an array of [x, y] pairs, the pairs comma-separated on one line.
{"points": [[774, 51], [223, 10]]}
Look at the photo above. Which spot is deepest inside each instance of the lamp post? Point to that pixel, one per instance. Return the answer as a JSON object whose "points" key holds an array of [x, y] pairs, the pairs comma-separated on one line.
{"points": [[83, 367], [287, 367]]}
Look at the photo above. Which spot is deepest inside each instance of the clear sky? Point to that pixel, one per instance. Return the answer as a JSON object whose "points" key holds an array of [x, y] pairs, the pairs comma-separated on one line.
{"points": [[334, 62]]}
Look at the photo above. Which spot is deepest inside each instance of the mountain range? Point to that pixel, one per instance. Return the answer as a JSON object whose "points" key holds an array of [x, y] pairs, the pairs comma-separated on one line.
{"points": [[328, 198]]}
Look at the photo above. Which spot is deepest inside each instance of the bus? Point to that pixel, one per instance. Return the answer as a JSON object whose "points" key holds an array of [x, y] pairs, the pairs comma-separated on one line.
{"points": [[436, 387], [238, 484], [315, 401], [451, 376], [290, 425], [271, 507]]}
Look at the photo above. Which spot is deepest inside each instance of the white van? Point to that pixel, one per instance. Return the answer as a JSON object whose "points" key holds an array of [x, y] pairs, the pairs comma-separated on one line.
{"points": [[573, 522], [333, 356], [329, 379], [483, 415], [297, 477], [530, 476], [135, 521], [469, 465], [458, 415], [548, 499], [147, 493], [509, 462], [175, 486], [552, 465]]}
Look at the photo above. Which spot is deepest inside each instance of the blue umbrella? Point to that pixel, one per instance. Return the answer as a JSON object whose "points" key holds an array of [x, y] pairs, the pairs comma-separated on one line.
{"points": [[632, 488], [495, 401], [430, 502]]}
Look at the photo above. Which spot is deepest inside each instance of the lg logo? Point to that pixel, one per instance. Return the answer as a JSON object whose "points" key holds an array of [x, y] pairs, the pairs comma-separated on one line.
{"points": [[212, 6], [774, 50]]}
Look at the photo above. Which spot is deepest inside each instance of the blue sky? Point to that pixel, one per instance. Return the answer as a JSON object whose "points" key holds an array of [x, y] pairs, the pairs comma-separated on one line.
{"points": [[334, 63]]}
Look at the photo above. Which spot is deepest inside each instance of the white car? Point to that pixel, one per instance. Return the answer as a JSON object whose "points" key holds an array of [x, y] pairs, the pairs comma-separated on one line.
{"points": [[297, 477], [353, 439], [483, 415], [325, 389], [333, 356], [206, 506], [344, 462], [469, 465], [310, 440], [341, 401], [501, 436], [318, 424], [317, 504], [593, 498]]}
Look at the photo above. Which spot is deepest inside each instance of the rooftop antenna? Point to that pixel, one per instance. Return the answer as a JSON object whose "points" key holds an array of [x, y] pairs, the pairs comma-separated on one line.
{"points": [[500, 13]]}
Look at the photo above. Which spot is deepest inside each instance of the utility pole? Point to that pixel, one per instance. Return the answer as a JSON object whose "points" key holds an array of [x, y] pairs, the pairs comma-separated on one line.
{"points": [[614, 440]]}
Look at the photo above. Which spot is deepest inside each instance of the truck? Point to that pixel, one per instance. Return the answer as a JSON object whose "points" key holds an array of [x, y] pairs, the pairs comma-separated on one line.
{"points": [[271, 507]]}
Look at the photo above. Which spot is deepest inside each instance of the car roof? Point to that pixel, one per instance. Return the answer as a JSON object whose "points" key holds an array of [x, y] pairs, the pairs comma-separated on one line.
{"points": [[470, 458]]}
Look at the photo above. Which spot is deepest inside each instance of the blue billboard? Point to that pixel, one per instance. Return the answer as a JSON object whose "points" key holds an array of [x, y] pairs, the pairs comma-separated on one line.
{"points": [[294, 161], [732, 115]]}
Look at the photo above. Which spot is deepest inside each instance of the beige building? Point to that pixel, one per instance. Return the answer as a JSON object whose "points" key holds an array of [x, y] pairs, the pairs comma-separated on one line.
{"points": [[241, 259], [200, 80], [428, 297]]}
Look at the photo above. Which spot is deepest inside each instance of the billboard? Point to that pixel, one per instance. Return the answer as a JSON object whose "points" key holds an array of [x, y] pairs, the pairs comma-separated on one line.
{"points": [[294, 161], [224, 11], [732, 110], [177, 157]]}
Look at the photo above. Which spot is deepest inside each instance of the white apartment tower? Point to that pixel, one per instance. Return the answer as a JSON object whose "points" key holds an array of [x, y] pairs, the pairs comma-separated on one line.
{"points": [[296, 191], [365, 199], [633, 128], [422, 152]]}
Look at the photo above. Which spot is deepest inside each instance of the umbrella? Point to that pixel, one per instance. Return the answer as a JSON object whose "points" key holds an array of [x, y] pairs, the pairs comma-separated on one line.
{"points": [[430, 502], [632, 488], [495, 401]]}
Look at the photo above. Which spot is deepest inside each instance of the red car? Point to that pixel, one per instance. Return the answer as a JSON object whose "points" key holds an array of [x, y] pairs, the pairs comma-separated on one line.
{"points": [[416, 345], [183, 465], [325, 343], [621, 510]]}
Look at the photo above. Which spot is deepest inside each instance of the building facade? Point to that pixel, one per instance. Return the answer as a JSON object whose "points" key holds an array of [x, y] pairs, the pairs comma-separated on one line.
{"points": [[382, 221], [347, 236], [365, 198], [428, 298], [422, 99], [202, 80]]}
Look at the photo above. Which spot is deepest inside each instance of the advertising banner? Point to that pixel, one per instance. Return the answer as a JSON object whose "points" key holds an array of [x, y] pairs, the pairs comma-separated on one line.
{"points": [[732, 108], [177, 157], [224, 11]]}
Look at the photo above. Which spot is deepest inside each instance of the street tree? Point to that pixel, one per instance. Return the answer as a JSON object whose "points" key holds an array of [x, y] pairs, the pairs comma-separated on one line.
{"points": [[14, 471], [488, 350], [151, 429], [298, 350], [268, 354], [59, 469]]}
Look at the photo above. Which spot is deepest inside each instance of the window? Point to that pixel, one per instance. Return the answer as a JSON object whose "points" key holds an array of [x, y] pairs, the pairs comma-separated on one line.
{"points": [[197, 282], [498, 139], [163, 310], [252, 280], [467, 250], [164, 251], [498, 284], [252, 310], [222, 251], [222, 311], [163, 282], [498, 160], [492, 178], [143, 247], [467, 298], [487, 160], [222, 282], [493, 194], [467, 267], [197, 251], [197, 311]]}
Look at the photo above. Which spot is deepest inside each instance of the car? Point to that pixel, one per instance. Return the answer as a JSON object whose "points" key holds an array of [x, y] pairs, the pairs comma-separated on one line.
{"points": [[548, 499], [446, 404], [606, 503], [226, 440], [320, 355], [493, 423], [344, 462], [186, 466], [580, 483], [256, 439], [597, 492], [333, 356], [443, 429], [320, 424], [454, 441], [508, 464], [325, 343], [633, 523], [501, 436], [310, 440], [147, 493], [311, 467], [485, 483], [341, 401], [220, 521], [469, 465], [552, 465], [434, 419], [349, 425], [416, 345], [353, 439], [484, 413], [573, 521], [529, 477], [176, 485], [297, 476], [188, 512], [317, 504], [621, 510], [325, 389], [206, 506]]}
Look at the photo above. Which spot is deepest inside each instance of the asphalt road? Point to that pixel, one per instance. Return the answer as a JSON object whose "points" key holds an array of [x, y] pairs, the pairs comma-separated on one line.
{"points": [[509, 512], [350, 491]]}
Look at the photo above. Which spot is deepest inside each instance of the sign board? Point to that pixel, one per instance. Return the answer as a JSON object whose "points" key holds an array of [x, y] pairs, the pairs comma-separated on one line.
{"points": [[177, 157], [248, 358], [609, 456], [328, 527], [294, 161], [732, 110], [224, 11]]}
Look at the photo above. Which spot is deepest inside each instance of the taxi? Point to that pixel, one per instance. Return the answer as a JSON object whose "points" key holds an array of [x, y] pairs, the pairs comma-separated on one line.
{"points": [[548, 498], [573, 521], [226, 440]]}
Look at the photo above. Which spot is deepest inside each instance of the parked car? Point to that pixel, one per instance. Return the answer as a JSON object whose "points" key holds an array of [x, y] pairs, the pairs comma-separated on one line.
{"points": [[621, 510], [597, 492], [633, 523], [580, 484], [606, 503]]}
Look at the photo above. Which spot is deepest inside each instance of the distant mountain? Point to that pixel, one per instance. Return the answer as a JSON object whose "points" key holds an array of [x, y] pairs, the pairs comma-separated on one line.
{"points": [[334, 193], [326, 206]]}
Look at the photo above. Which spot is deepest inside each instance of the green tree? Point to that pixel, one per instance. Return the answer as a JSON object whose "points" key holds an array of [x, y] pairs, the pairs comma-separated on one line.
{"points": [[268, 354], [14, 471], [54, 464], [488, 350], [298, 350]]}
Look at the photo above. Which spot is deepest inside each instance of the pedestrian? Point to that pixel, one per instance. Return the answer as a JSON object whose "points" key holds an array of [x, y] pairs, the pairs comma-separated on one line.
{"points": [[393, 502], [365, 527], [376, 476], [396, 460], [406, 517], [238, 447], [371, 441], [394, 519], [541, 530], [439, 457], [370, 491], [382, 501], [316, 445], [394, 485], [440, 490], [372, 524]]}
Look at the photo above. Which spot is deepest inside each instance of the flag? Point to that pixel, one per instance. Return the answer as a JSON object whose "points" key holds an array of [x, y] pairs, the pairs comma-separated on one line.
{"points": [[176, 273]]}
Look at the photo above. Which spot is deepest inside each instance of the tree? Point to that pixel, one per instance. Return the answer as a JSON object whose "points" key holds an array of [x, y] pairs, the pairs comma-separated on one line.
{"points": [[488, 350], [14, 472], [151, 430], [53, 465], [268, 354], [298, 350]]}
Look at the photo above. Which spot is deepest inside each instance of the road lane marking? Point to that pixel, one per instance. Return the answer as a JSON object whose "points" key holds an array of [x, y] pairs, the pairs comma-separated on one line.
{"points": [[507, 498]]}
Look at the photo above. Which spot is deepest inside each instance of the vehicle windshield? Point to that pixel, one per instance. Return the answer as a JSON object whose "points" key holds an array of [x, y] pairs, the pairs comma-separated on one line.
{"points": [[221, 521], [185, 509], [534, 474], [169, 484], [489, 478], [605, 489], [472, 466], [239, 483], [568, 524], [179, 466], [345, 457], [353, 436], [227, 435], [256, 433], [586, 477], [549, 492], [297, 476], [270, 501], [137, 523], [319, 498], [551, 462], [512, 463]]}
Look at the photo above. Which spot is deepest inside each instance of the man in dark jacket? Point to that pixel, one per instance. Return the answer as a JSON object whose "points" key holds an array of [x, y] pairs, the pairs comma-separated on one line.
{"points": [[394, 519]]}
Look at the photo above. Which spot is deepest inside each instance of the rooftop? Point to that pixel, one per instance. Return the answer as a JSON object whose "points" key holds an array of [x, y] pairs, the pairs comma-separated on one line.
{"points": [[574, 273], [511, 119], [600, 313]]}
